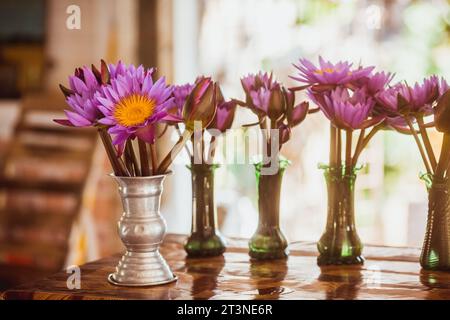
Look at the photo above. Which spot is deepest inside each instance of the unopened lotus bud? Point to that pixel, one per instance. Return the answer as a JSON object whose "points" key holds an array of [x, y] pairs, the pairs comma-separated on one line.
{"points": [[200, 104], [298, 114], [442, 113]]}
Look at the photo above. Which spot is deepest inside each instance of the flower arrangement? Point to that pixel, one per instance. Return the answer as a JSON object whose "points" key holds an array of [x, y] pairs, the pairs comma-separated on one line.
{"points": [[205, 239], [356, 99], [125, 104], [275, 108], [347, 97], [201, 151], [408, 107], [128, 105]]}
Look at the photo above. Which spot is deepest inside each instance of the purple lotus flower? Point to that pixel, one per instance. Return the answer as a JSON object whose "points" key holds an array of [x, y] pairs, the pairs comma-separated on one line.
{"points": [[284, 132], [442, 113], [295, 114], [328, 73], [388, 98], [346, 111], [404, 99], [80, 97], [253, 82], [264, 96], [201, 103], [180, 94], [442, 85], [375, 83], [396, 123], [133, 104], [224, 116]]}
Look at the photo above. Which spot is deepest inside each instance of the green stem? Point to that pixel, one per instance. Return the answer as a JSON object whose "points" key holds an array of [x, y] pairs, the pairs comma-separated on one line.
{"points": [[212, 150], [143, 156], [333, 142], [128, 159], [444, 158], [426, 142], [419, 145], [358, 144], [203, 146], [348, 150], [177, 127], [154, 158], [365, 142], [167, 161], [266, 155], [339, 148], [117, 166], [137, 169]]}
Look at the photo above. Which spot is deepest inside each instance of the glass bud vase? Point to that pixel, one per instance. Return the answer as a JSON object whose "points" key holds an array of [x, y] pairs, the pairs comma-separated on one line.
{"points": [[268, 242], [436, 247], [205, 239], [340, 243]]}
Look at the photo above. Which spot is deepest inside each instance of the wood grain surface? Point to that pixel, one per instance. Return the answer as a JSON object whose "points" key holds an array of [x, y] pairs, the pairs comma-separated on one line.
{"points": [[388, 273]]}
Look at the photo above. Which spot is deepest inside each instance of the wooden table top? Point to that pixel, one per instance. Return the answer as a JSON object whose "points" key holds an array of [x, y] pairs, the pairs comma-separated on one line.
{"points": [[388, 273]]}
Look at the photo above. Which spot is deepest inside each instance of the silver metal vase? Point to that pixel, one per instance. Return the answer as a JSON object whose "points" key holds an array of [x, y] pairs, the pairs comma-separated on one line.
{"points": [[141, 229]]}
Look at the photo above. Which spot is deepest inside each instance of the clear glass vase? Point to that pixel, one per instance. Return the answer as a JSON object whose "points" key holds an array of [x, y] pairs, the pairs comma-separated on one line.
{"points": [[205, 239], [268, 242], [436, 246], [340, 243]]}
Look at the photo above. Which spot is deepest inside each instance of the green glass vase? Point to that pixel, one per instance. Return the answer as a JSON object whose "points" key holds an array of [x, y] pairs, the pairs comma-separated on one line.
{"points": [[268, 242], [436, 246], [340, 243], [205, 239]]}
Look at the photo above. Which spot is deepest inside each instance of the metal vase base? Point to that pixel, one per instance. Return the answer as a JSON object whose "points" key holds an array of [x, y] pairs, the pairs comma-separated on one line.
{"points": [[142, 269]]}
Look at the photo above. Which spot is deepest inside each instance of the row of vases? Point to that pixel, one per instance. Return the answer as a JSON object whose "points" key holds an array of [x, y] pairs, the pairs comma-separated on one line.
{"points": [[142, 227], [339, 244], [205, 240]]}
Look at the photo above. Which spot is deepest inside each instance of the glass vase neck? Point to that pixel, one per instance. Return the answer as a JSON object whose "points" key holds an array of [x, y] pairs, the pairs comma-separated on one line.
{"points": [[340, 243], [341, 171], [205, 239], [436, 246], [268, 242], [433, 181]]}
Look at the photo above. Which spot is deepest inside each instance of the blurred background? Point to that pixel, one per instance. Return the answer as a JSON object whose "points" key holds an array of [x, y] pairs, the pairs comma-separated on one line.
{"points": [[58, 207]]}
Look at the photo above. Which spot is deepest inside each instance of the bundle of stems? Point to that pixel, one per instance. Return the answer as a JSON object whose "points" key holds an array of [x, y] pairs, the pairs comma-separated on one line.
{"points": [[267, 127], [145, 162], [199, 150], [436, 168], [351, 154]]}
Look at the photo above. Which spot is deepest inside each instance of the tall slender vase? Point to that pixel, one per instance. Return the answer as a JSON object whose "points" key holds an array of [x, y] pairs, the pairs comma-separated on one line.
{"points": [[141, 229], [268, 242], [340, 243], [436, 247], [205, 239]]}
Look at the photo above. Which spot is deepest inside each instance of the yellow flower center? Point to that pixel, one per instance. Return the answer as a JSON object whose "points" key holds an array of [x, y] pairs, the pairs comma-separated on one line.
{"points": [[134, 110], [327, 70]]}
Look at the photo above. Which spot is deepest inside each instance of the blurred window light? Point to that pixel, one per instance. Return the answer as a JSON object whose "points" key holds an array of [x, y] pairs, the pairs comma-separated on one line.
{"points": [[240, 37]]}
